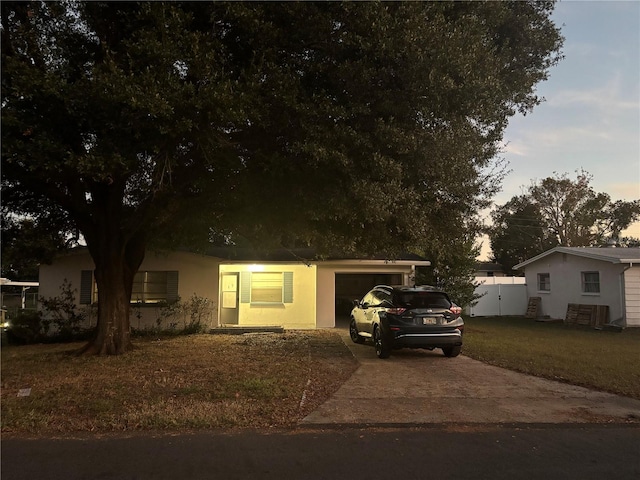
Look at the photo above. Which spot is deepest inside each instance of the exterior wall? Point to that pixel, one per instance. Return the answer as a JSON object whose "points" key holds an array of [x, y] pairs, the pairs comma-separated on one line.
{"points": [[300, 314], [64, 267], [565, 280], [632, 296], [313, 304], [198, 275], [326, 286]]}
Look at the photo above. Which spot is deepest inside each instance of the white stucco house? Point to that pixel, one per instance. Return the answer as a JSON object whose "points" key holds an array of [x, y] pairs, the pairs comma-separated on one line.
{"points": [[290, 289], [586, 276]]}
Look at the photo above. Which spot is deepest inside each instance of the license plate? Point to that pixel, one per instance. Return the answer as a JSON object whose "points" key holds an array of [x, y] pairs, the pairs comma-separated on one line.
{"points": [[429, 321]]}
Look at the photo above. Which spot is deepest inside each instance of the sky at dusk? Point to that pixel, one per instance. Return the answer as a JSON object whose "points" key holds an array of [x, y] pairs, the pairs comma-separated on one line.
{"points": [[591, 117]]}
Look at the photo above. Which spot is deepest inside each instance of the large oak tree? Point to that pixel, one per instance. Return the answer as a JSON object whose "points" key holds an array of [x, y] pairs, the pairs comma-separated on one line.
{"points": [[358, 127], [557, 211]]}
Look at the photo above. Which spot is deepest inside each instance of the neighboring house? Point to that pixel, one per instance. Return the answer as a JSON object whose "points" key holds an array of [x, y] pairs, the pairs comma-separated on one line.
{"points": [[586, 276], [291, 289], [488, 269]]}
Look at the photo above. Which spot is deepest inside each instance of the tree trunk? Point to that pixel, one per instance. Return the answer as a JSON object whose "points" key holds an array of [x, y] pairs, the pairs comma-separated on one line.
{"points": [[117, 258], [112, 336]]}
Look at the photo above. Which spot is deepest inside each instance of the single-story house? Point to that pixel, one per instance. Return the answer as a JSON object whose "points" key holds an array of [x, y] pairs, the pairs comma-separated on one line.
{"points": [[489, 269], [581, 276], [289, 288]]}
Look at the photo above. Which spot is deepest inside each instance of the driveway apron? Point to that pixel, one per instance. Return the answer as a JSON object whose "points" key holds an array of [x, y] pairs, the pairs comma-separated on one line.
{"points": [[417, 387]]}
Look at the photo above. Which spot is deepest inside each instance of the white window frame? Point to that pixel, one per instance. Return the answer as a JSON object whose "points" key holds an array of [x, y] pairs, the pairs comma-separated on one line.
{"points": [[589, 287], [272, 281], [145, 291], [148, 291], [546, 284]]}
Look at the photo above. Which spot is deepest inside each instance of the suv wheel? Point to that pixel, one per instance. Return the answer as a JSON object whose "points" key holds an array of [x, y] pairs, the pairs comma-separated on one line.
{"points": [[382, 349], [353, 333], [451, 351]]}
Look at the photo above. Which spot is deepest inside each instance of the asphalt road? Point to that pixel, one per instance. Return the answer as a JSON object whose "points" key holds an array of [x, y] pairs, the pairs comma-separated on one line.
{"points": [[472, 452]]}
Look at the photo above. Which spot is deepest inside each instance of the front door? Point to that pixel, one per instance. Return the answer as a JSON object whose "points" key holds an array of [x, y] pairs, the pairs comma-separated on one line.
{"points": [[229, 299]]}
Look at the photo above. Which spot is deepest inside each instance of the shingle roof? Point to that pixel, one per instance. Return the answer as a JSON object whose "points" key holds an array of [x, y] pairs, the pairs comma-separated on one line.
{"points": [[294, 255], [606, 254]]}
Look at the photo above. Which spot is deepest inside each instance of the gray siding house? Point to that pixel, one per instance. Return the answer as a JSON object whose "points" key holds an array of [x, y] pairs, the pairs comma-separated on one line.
{"points": [[586, 276]]}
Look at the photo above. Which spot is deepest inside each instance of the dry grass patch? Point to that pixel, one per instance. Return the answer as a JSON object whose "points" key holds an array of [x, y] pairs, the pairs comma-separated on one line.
{"points": [[192, 382]]}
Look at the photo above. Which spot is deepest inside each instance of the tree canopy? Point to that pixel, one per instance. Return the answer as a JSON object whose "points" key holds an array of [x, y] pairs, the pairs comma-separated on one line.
{"points": [[352, 127], [557, 211]]}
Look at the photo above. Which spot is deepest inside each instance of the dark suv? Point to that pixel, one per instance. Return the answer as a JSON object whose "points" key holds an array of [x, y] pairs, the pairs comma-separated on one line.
{"points": [[414, 317]]}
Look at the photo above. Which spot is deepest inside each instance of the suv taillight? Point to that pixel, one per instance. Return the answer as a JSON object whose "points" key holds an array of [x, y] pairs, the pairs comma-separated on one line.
{"points": [[396, 310], [455, 309]]}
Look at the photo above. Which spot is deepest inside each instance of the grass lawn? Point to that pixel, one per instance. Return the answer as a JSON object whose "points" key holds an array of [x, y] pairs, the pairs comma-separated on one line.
{"points": [[175, 383], [270, 380], [604, 360]]}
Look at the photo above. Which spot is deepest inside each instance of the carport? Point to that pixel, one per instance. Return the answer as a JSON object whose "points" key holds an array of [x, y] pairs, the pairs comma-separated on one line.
{"points": [[342, 281]]}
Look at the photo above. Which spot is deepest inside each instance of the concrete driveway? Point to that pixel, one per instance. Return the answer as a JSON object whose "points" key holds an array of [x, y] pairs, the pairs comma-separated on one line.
{"points": [[416, 387]]}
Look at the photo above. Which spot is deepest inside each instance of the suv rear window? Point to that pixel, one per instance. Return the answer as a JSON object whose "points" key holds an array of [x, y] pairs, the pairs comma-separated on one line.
{"points": [[422, 300]]}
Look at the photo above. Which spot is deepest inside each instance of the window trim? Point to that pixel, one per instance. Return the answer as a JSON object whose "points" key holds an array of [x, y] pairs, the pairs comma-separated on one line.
{"points": [[89, 289], [287, 289], [547, 283], [584, 283], [266, 302]]}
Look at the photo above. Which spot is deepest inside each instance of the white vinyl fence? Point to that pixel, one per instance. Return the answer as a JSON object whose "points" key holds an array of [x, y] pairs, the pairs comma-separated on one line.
{"points": [[501, 296]]}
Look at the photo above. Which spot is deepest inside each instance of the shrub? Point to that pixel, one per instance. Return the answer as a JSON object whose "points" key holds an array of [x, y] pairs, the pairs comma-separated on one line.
{"points": [[61, 311], [25, 328], [182, 317]]}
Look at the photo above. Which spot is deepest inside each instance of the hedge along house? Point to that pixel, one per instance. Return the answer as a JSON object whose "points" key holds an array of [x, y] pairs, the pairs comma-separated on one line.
{"points": [[582, 277], [285, 288]]}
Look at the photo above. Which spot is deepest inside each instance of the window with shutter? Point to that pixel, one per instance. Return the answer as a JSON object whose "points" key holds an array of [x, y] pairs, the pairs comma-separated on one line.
{"points": [[150, 287], [266, 287]]}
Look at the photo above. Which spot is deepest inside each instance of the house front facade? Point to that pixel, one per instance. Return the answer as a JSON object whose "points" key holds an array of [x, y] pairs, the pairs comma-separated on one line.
{"points": [[241, 288], [586, 276]]}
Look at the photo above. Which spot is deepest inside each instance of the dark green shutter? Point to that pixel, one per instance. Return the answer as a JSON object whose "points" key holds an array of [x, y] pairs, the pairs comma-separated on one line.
{"points": [[172, 287], [245, 287], [288, 287], [86, 285]]}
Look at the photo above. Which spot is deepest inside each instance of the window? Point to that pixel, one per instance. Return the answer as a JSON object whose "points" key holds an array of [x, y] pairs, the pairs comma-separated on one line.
{"points": [[590, 282], [544, 282], [266, 287], [149, 287], [422, 300]]}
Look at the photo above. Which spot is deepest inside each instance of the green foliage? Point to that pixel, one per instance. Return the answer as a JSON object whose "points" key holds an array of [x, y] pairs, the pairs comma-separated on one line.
{"points": [[558, 211], [183, 317], [26, 327], [452, 269], [365, 127], [26, 243], [68, 320], [518, 233]]}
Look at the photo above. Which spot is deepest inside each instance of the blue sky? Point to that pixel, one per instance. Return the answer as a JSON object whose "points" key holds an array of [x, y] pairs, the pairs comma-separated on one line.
{"points": [[591, 117]]}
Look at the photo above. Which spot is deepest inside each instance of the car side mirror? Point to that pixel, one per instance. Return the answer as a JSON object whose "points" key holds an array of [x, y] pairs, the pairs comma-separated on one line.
{"points": [[364, 305]]}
